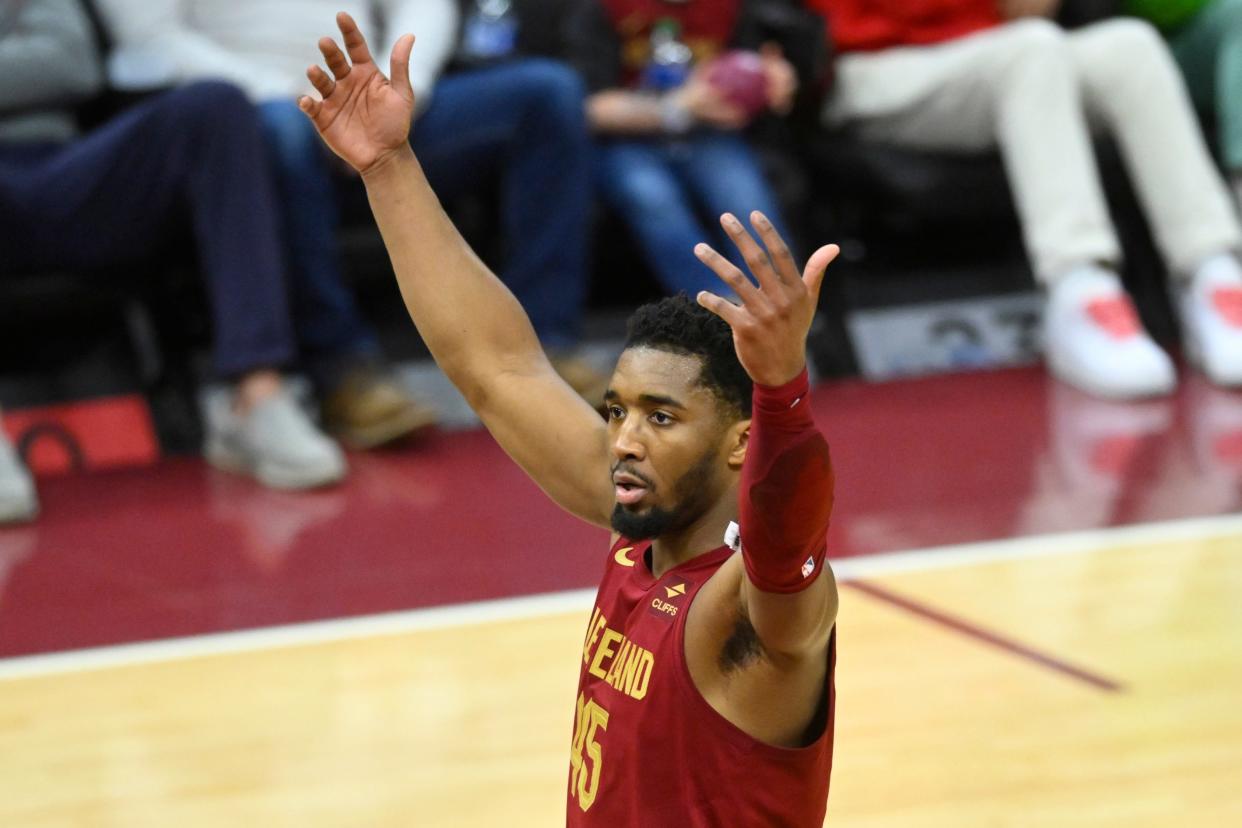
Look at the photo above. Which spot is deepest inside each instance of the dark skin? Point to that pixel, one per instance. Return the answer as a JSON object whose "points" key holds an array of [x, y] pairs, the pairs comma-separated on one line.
{"points": [[661, 421], [662, 418]]}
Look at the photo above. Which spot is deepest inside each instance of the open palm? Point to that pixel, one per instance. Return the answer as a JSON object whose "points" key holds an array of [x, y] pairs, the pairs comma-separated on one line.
{"points": [[363, 115], [772, 318]]}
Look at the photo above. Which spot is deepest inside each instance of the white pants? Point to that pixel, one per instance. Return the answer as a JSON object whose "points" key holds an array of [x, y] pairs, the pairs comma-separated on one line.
{"points": [[1034, 90]]}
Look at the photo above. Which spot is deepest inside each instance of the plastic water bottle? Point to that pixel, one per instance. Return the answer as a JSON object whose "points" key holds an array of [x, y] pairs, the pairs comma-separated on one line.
{"points": [[669, 66], [490, 32]]}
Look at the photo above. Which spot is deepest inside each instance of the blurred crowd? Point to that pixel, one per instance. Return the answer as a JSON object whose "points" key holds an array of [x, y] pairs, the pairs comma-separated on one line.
{"points": [[648, 108]]}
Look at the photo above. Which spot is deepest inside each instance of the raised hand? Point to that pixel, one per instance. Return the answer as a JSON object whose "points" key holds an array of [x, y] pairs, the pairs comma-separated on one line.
{"points": [[364, 117], [771, 323]]}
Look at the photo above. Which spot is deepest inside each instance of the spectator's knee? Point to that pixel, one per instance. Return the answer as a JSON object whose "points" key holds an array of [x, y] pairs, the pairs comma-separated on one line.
{"points": [[1129, 53], [645, 189], [189, 114], [1128, 35], [215, 98], [1035, 35], [552, 85], [1033, 45], [290, 136]]}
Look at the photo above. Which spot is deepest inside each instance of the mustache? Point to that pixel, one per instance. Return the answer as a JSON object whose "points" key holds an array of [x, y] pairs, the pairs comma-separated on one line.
{"points": [[633, 472]]}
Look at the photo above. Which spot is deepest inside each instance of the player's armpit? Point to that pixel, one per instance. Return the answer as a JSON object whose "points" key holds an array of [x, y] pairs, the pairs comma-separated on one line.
{"points": [[553, 434], [793, 625]]}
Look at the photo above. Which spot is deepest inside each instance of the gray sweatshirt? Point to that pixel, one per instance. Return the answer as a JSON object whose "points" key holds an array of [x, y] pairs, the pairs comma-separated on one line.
{"points": [[49, 63], [264, 46]]}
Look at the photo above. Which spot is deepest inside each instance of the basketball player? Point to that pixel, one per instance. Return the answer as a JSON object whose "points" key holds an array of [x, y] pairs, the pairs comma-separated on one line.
{"points": [[705, 692]]}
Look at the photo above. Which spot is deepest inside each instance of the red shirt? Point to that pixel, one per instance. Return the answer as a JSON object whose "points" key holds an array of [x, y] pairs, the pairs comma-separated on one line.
{"points": [[868, 25], [706, 26], [648, 750]]}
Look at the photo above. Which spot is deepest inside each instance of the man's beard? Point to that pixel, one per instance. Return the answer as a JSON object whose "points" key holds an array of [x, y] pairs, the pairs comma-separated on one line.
{"points": [[694, 496]]}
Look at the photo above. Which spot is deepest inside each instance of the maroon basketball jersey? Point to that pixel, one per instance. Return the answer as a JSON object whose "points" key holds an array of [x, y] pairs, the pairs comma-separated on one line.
{"points": [[648, 750]]}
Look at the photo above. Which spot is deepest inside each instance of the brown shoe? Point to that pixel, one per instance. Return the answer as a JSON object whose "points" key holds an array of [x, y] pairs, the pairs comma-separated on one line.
{"points": [[367, 409], [583, 378]]}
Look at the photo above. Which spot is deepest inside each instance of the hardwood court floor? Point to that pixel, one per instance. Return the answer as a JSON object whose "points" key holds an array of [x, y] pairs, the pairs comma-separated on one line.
{"points": [[943, 718]]}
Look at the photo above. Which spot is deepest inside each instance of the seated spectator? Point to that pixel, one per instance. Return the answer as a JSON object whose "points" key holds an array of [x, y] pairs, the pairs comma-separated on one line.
{"points": [[970, 75], [70, 201], [671, 148], [1205, 37], [520, 119]]}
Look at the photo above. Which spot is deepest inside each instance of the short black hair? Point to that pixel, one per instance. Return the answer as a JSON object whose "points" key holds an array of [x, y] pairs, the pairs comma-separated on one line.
{"points": [[680, 325]]}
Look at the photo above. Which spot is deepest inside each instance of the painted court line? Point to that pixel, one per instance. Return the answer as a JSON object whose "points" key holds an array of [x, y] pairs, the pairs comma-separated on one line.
{"points": [[979, 633], [1037, 546], [532, 606], [298, 635]]}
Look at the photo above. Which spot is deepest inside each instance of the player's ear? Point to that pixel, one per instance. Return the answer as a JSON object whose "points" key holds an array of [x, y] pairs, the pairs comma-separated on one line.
{"points": [[738, 439]]}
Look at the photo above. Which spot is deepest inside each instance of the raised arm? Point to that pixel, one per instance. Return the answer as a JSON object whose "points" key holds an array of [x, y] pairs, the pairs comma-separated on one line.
{"points": [[475, 328], [785, 496]]}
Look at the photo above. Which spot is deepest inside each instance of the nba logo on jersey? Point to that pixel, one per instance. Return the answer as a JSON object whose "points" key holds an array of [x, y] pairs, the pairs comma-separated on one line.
{"points": [[808, 567]]}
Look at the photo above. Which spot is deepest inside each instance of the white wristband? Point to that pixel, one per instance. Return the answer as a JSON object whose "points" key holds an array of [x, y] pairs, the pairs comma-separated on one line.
{"points": [[675, 119]]}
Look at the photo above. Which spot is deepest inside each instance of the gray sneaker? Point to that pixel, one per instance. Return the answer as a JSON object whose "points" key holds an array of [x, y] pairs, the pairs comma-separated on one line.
{"points": [[18, 501], [276, 443]]}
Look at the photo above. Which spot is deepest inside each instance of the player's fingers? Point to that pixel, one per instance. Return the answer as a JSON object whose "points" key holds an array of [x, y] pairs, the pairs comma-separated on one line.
{"points": [[310, 106], [723, 308], [778, 252], [355, 43], [334, 57], [728, 273], [320, 80], [756, 258], [399, 66], [817, 266]]}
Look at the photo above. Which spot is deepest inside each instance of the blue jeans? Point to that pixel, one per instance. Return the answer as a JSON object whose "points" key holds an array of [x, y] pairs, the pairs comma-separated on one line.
{"points": [[527, 121], [192, 155], [330, 328], [664, 189], [524, 121]]}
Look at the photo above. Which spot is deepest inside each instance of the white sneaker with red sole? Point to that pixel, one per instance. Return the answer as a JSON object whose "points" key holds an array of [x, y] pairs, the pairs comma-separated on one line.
{"points": [[1093, 339], [1211, 310]]}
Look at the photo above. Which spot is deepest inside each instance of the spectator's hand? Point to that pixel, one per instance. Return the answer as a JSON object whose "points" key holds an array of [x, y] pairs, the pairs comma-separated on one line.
{"points": [[1013, 9], [363, 116], [771, 324], [708, 106], [782, 79]]}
